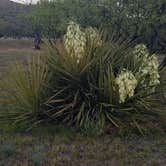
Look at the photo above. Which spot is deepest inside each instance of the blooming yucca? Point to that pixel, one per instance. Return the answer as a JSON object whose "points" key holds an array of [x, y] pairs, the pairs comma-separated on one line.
{"points": [[94, 36], [75, 40], [148, 72], [127, 83], [140, 51], [85, 83]]}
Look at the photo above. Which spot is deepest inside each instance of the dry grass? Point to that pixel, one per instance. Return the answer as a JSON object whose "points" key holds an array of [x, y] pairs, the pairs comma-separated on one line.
{"points": [[50, 146], [15, 50]]}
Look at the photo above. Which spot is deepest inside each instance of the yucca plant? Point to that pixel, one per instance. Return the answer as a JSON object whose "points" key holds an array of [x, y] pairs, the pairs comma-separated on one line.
{"points": [[101, 80], [87, 78], [23, 91]]}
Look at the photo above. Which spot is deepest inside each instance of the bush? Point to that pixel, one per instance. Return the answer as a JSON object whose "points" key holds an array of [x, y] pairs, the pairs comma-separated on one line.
{"points": [[101, 80], [93, 79]]}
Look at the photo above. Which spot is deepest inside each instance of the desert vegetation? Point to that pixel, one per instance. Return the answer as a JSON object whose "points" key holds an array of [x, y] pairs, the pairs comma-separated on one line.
{"points": [[87, 80], [94, 94]]}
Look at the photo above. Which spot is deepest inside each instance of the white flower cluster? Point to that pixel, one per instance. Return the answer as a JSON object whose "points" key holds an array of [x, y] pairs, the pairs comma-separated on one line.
{"points": [[140, 51], [75, 40], [94, 36], [127, 83], [153, 70], [148, 70]]}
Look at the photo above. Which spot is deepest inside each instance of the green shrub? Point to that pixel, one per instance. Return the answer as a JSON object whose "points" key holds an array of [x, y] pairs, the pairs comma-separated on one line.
{"points": [[101, 79], [88, 79]]}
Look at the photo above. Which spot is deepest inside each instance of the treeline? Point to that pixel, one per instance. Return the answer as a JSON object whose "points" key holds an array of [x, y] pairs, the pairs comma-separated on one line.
{"points": [[140, 20], [13, 20], [144, 21]]}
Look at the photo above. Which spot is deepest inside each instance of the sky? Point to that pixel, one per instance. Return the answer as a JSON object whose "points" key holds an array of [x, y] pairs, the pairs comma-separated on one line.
{"points": [[25, 1]]}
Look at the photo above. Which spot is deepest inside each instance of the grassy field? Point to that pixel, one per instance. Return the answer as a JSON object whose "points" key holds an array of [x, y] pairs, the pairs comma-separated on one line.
{"points": [[13, 50], [59, 146]]}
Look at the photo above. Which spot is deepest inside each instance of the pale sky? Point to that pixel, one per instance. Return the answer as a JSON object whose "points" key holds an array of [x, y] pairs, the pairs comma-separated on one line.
{"points": [[26, 1]]}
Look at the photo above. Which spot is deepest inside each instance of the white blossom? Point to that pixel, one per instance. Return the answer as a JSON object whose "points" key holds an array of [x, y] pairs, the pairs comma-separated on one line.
{"points": [[141, 51], [148, 72], [94, 36], [127, 83], [75, 40]]}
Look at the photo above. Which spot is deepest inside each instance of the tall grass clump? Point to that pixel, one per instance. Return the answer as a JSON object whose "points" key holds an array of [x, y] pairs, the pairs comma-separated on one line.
{"points": [[92, 79], [23, 92]]}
